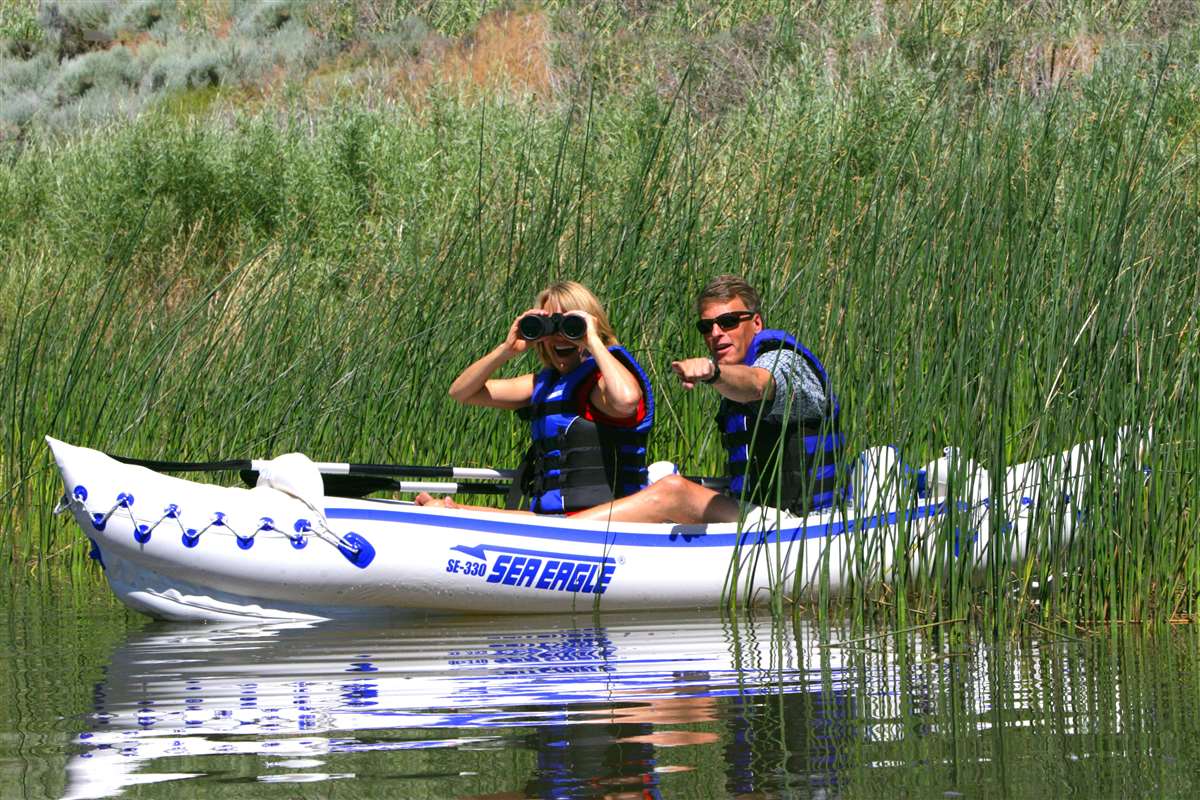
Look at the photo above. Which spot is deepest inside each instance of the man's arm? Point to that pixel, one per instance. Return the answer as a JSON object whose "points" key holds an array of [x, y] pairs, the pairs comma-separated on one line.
{"points": [[738, 382], [800, 394]]}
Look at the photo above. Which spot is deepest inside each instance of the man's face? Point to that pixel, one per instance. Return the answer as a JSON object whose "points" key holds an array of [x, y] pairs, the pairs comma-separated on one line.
{"points": [[730, 347]]}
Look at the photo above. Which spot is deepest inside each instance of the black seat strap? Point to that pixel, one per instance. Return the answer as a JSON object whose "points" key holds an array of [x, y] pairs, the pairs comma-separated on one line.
{"points": [[519, 489]]}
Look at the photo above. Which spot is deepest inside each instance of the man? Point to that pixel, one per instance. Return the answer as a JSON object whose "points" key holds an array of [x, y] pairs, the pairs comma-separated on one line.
{"points": [[778, 419]]}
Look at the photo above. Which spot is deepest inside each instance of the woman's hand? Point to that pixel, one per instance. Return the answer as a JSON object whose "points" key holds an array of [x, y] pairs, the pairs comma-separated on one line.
{"points": [[591, 336], [513, 343]]}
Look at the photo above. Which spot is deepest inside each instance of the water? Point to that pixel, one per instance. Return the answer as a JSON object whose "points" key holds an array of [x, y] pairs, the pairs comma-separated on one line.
{"points": [[98, 702]]}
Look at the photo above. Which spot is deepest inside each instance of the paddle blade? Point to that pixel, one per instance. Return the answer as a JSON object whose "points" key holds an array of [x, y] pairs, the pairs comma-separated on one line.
{"points": [[356, 485]]}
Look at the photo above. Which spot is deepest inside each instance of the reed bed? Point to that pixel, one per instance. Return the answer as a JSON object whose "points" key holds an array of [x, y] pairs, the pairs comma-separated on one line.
{"points": [[1009, 272]]}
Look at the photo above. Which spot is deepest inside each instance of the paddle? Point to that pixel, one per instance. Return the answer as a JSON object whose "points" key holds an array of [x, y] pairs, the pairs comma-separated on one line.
{"points": [[325, 468], [363, 485], [358, 480]]}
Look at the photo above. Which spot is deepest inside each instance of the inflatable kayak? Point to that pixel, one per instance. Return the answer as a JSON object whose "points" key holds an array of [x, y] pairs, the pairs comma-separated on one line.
{"points": [[181, 550]]}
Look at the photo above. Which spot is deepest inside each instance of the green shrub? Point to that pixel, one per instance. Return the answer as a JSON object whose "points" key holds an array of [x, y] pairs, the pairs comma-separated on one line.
{"points": [[110, 71], [16, 110], [408, 40], [181, 68], [258, 18], [98, 106], [76, 27], [145, 15], [292, 47], [20, 34], [22, 75]]}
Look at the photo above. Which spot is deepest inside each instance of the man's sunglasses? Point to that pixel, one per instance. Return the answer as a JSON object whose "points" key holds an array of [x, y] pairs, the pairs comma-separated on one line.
{"points": [[728, 321]]}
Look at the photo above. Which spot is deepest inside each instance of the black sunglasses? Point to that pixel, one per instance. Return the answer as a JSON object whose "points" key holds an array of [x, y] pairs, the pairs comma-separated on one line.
{"points": [[728, 321]]}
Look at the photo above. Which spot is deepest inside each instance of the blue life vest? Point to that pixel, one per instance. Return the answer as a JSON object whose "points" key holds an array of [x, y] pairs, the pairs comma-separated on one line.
{"points": [[576, 463], [805, 454]]}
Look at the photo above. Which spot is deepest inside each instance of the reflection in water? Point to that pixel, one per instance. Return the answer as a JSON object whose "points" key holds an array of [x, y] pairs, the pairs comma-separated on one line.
{"points": [[596, 706], [794, 735], [641, 707]]}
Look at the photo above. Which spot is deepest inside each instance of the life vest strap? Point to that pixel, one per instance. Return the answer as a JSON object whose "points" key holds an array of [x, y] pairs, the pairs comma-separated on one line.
{"points": [[520, 487], [550, 407]]}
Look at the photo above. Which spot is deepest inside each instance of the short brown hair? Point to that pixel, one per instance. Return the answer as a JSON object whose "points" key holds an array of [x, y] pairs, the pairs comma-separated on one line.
{"points": [[724, 288]]}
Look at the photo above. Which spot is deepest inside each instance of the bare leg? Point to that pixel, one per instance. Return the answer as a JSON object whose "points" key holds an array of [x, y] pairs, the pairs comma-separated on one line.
{"points": [[426, 499], [673, 499]]}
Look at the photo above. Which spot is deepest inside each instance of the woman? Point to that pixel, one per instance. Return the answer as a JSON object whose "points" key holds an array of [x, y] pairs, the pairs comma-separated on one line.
{"points": [[590, 408]]}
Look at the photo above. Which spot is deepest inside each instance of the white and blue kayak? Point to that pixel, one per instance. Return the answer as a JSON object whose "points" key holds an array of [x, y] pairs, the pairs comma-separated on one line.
{"points": [[181, 550]]}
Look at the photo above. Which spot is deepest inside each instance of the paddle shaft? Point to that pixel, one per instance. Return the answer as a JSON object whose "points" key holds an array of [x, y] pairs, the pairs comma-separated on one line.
{"points": [[326, 468], [363, 485], [330, 469], [433, 487]]}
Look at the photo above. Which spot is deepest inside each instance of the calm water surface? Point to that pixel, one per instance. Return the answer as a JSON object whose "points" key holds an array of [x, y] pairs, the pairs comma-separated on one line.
{"points": [[98, 702]]}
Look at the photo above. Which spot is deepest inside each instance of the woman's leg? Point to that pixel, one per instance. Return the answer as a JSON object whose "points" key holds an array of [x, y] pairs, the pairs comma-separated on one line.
{"points": [[672, 499], [426, 499]]}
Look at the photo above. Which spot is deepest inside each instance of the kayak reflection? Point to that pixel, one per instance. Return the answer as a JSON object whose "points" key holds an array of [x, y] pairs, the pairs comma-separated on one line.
{"points": [[588, 710]]}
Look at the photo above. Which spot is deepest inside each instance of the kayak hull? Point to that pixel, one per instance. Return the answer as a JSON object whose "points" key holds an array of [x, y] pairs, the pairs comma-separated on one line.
{"points": [[181, 550]]}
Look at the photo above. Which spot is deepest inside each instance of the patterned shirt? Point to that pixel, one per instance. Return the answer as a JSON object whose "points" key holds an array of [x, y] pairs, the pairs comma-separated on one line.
{"points": [[798, 389]]}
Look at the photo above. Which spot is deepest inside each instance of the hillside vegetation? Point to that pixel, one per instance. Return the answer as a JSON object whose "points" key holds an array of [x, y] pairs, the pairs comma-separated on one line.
{"points": [[239, 229]]}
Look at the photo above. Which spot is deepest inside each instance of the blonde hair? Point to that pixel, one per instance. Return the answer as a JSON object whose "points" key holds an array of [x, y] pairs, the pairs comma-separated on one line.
{"points": [[572, 296]]}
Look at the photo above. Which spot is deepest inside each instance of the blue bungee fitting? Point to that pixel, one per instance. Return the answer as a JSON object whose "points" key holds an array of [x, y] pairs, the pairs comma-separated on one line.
{"points": [[756, 447], [576, 463]]}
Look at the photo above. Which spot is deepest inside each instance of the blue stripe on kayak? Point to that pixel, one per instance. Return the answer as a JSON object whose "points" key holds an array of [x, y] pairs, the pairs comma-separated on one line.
{"points": [[675, 538], [480, 551]]}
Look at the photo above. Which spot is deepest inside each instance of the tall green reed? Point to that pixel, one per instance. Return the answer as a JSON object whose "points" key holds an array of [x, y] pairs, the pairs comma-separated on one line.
{"points": [[1009, 275]]}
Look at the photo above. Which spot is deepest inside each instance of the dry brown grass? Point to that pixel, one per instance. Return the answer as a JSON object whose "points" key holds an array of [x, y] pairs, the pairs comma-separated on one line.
{"points": [[509, 51], [215, 15], [222, 28], [1046, 66], [133, 41]]}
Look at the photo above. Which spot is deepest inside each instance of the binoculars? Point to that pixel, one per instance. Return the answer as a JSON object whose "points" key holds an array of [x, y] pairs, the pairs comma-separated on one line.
{"points": [[536, 326]]}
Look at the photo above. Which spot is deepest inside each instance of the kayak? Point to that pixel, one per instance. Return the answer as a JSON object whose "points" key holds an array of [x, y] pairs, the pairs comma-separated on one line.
{"points": [[181, 550]]}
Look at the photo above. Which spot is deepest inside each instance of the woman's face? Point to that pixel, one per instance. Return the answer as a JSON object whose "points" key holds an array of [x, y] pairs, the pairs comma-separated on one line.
{"points": [[565, 354]]}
